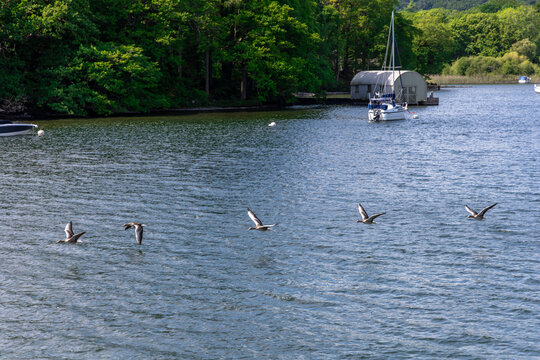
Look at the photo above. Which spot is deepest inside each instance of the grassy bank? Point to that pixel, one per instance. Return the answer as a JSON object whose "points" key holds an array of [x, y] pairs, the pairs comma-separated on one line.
{"points": [[479, 79]]}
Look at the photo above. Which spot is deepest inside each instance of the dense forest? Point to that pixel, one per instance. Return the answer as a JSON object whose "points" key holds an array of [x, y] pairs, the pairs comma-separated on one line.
{"points": [[99, 57], [482, 5]]}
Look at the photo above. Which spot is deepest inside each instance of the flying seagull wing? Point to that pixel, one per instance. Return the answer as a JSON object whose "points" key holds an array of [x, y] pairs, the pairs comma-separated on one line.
{"points": [[254, 217], [362, 212], [473, 213], [138, 234], [486, 209], [377, 215], [69, 230], [75, 238]]}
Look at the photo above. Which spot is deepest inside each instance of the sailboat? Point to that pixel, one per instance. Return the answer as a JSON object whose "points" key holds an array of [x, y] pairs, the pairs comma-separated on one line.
{"points": [[384, 106]]}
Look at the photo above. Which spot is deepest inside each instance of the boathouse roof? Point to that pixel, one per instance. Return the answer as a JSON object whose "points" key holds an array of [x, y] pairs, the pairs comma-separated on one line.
{"points": [[378, 76]]}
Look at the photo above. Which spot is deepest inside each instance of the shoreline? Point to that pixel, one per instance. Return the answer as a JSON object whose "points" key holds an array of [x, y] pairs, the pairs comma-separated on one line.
{"points": [[161, 112], [443, 80], [455, 82]]}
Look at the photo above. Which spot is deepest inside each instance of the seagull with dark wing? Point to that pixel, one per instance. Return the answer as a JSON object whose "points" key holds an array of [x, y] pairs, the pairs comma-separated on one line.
{"points": [[138, 230], [258, 223], [480, 215], [365, 218], [71, 237]]}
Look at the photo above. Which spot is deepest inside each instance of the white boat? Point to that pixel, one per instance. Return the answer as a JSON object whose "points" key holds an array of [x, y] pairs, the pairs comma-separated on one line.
{"points": [[384, 106], [524, 80], [8, 128], [537, 88]]}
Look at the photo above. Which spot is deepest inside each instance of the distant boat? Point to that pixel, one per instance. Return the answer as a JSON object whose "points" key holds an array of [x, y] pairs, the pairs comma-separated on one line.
{"points": [[383, 106], [537, 88], [8, 128], [524, 80]]}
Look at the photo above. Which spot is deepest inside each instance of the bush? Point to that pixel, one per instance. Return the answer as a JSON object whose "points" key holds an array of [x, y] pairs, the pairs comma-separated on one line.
{"points": [[526, 48], [510, 63], [482, 65]]}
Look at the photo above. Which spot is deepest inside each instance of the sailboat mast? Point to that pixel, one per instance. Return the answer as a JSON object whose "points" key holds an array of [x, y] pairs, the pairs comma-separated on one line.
{"points": [[393, 54]]}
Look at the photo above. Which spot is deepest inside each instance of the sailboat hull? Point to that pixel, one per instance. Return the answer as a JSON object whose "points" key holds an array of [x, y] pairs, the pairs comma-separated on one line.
{"points": [[387, 115]]}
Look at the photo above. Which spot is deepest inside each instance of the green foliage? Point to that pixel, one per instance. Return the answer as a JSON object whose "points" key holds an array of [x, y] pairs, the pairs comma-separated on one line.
{"points": [[489, 6], [104, 79], [510, 63], [493, 6], [276, 51], [477, 34], [517, 24], [434, 44], [100, 57], [526, 47]]}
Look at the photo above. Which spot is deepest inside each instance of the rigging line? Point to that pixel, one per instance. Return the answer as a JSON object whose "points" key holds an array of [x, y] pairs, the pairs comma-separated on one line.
{"points": [[399, 70], [381, 82]]}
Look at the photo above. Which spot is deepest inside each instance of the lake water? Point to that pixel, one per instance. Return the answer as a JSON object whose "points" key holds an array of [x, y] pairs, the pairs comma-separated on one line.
{"points": [[424, 282]]}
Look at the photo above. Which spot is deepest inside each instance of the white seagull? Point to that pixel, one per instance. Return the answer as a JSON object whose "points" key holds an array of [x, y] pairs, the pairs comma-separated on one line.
{"points": [[138, 230], [258, 223], [70, 236], [365, 218], [480, 215]]}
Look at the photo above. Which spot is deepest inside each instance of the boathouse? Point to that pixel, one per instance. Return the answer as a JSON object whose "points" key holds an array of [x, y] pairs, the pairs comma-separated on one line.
{"points": [[413, 84]]}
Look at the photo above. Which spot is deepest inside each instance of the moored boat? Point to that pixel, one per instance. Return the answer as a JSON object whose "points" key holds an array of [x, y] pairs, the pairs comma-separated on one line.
{"points": [[8, 128], [524, 80], [537, 88], [384, 106], [385, 109]]}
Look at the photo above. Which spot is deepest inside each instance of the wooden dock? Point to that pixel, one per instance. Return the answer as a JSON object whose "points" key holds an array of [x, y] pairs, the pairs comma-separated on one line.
{"points": [[344, 98]]}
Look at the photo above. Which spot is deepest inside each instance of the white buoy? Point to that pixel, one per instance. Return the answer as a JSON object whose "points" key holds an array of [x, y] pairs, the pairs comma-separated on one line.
{"points": [[272, 123], [415, 116], [41, 133]]}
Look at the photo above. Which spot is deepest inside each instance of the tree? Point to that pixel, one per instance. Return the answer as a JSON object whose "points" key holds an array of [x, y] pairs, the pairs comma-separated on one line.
{"points": [[477, 34], [13, 30], [493, 6], [332, 44], [104, 79], [273, 51], [517, 24], [434, 44], [525, 47]]}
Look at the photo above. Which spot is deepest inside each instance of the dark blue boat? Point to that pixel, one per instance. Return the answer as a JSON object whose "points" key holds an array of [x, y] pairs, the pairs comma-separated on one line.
{"points": [[8, 128]]}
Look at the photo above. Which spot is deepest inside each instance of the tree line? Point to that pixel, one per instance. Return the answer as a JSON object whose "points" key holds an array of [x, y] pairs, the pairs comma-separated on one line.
{"points": [[99, 57], [482, 5]]}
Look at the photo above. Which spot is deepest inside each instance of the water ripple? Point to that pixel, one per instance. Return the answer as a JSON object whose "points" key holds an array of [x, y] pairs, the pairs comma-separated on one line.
{"points": [[424, 282]]}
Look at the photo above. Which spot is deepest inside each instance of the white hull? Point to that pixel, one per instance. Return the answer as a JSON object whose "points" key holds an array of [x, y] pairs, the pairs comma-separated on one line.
{"points": [[10, 129], [14, 133], [387, 115], [537, 88]]}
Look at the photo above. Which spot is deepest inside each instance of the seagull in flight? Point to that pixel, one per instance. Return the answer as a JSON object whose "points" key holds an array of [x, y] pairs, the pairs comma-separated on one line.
{"points": [[258, 223], [365, 218], [71, 237], [480, 215], [138, 230]]}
